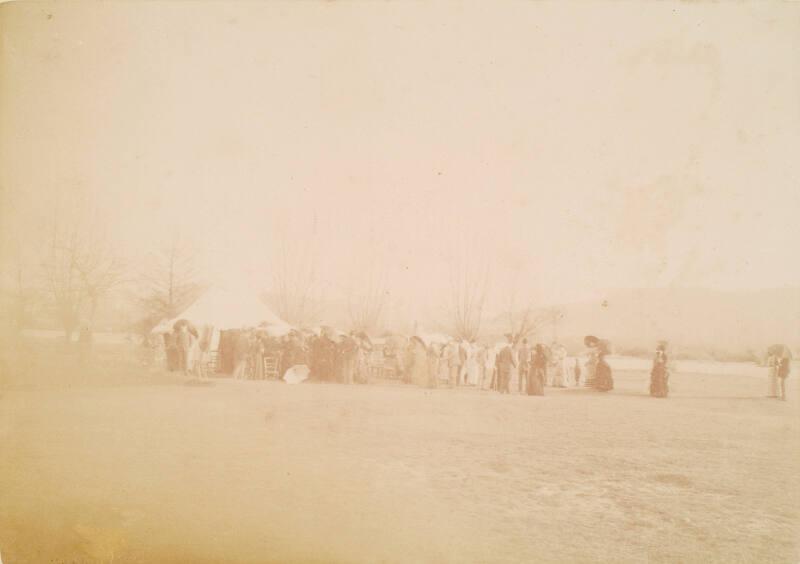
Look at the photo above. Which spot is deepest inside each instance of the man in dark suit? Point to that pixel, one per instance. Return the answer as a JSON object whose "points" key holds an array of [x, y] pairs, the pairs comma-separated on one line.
{"points": [[183, 341], [505, 362]]}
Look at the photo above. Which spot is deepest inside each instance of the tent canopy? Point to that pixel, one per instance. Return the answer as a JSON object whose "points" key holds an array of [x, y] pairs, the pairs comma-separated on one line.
{"points": [[224, 309]]}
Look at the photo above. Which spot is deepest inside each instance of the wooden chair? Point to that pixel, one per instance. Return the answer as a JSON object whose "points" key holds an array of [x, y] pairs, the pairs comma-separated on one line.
{"points": [[209, 367], [272, 363]]}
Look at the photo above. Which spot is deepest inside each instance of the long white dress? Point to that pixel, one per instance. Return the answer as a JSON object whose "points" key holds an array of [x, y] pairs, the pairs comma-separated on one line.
{"points": [[557, 366], [488, 374], [471, 365]]}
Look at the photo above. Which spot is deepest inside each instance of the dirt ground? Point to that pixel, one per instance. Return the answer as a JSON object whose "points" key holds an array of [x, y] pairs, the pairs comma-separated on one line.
{"points": [[145, 468]]}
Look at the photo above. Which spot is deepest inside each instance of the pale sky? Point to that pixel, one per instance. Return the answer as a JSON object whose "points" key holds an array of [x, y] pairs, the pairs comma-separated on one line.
{"points": [[585, 146]]}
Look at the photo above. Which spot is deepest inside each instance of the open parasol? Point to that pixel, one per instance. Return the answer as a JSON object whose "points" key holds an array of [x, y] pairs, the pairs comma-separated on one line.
{"points": [[420, 340], [296, 374], [591, 341]]}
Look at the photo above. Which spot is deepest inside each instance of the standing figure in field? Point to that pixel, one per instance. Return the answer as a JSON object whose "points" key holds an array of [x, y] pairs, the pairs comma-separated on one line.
{"points": [[576, 372], [171, 350], [241, 351], [538, 372], [591, 342], [203, 351], [480, 359], [257, 356], [348, 350], [523, 366], [339, 358], [659, 375], [454, 362], [418, 362], [183, 342], [471, 363], [462, 355], [557, 360], [434, 357], [490, 373], [285, 356], [444, 369], [323, 358], [784, 368], [505, 361], [603, 380], [363, 352]]}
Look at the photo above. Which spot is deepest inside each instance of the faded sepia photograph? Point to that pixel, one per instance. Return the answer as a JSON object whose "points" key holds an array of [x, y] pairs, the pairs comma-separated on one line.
{"points": [[351, 281]]}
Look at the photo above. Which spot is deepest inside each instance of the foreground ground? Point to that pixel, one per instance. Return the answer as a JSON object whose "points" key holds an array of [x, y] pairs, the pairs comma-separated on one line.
{"points": [[161, 471]]}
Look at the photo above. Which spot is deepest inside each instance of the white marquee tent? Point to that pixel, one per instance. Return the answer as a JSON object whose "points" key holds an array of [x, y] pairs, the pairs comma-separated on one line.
{"points": [[224, 309]]}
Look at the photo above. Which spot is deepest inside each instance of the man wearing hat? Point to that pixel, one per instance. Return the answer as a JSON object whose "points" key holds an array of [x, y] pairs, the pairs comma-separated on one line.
{"points": [[505, 362]]}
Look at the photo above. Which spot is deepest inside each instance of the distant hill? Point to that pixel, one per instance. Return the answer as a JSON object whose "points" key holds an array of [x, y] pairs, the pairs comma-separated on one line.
{"points": [[699, 322]]}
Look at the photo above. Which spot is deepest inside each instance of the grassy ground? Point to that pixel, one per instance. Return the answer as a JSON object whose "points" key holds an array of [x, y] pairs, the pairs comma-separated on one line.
{"points": [[106, 460]]}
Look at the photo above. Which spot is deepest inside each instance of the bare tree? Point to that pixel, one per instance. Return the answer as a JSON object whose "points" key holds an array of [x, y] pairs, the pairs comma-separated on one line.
{"points": [[297, 293], [100, 269], [469, 285], [553, 317], [170, 282], [524, 320], [79, 268], [367, 294]]}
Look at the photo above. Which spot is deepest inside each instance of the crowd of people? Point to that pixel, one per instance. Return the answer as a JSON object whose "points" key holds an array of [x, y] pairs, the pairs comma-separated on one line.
{"points": [[355, 358], [332, 356]]}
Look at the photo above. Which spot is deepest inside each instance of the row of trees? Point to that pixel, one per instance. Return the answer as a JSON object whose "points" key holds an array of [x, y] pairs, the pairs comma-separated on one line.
{"points": [[78, 267], [469, 288], [74, 266], [299, 293]]}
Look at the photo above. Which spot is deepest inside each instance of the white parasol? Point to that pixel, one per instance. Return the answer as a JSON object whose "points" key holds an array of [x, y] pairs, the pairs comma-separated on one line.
{"points": [[296, 374]]}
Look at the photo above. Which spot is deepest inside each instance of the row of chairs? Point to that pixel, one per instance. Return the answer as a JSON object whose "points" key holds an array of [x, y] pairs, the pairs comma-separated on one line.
{"points": [[271, 366], [378, 368]]}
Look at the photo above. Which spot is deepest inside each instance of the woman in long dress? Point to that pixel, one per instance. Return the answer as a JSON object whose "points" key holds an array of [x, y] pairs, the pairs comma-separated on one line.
{"points": [[471, 363], [418, 362], [538, 371], [444, 369], [453, 356], [349, 358], [257, 351], [659, 375], [433, 365], [784, 368], [557, 365], [489, 376], [363, 361], [603, 380], [591, 343]]}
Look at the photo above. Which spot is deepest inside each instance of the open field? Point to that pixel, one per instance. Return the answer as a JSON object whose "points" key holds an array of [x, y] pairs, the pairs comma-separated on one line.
{"points": [[153, 470]]}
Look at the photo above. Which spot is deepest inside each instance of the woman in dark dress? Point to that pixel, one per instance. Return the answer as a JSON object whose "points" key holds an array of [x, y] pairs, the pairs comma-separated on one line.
{"points": [[603, 380], [538, 371], [784, 368], [659, 375]]}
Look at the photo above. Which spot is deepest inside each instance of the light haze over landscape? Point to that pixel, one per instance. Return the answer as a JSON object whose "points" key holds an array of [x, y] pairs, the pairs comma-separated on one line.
{"points": [[431, 282], [652, 152]]}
